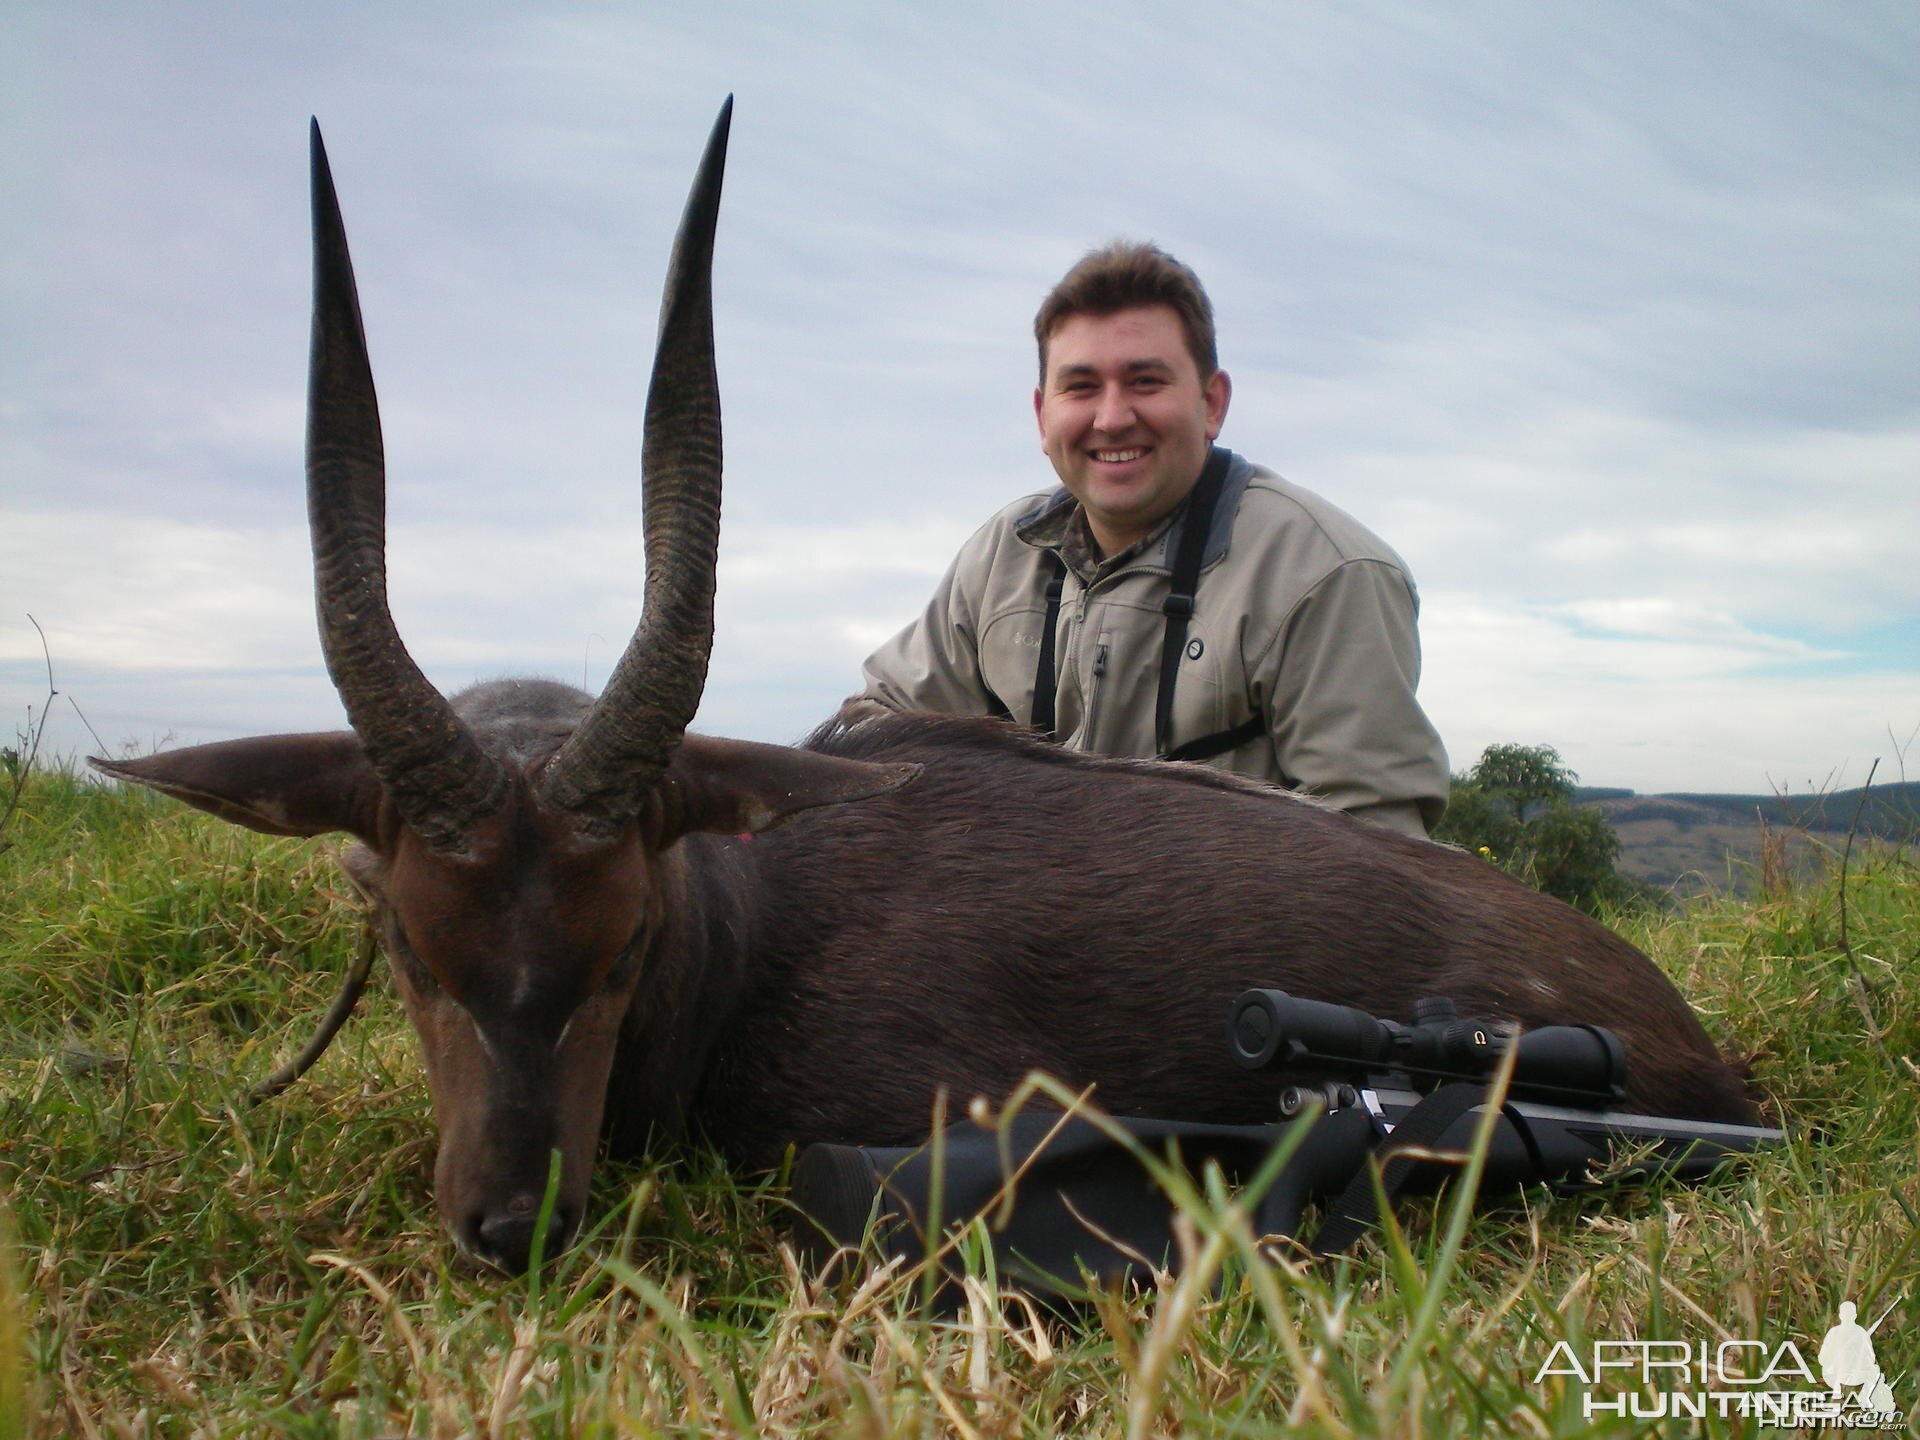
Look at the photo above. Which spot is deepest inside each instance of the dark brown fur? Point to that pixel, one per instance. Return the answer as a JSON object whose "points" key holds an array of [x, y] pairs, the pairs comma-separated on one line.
{"points": [[1019, 907], [922, 904]]}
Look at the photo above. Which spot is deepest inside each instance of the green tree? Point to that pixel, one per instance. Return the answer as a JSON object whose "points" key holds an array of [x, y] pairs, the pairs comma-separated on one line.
{"points": [[1515, 808], [1520, 778]]}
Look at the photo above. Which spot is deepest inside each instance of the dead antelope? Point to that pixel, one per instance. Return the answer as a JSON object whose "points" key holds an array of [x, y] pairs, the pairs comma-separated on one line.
{"points": [[597, 928]]}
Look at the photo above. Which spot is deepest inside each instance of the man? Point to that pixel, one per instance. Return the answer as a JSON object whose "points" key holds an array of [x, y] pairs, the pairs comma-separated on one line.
{"points": [[1172, 599]]}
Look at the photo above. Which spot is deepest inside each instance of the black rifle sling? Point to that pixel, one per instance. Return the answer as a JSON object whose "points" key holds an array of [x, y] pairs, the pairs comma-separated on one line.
{"points": [[1044, 678], [1221, 741], [1182, 587], [1354, 1213]]}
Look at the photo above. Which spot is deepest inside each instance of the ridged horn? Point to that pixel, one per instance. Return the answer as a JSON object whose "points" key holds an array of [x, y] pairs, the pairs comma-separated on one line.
{"points": [[605, 770], [427, 760]]}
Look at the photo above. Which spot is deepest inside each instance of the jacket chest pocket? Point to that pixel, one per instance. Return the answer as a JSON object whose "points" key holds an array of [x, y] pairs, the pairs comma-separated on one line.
{"points": [[1010, 660]]}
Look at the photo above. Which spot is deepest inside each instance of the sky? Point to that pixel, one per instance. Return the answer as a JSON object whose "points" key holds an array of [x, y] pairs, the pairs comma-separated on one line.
{"points": [[1607, 318]]}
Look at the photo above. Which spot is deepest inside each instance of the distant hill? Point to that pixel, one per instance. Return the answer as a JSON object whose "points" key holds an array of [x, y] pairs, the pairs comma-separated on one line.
{"points": [[1690, 843]]}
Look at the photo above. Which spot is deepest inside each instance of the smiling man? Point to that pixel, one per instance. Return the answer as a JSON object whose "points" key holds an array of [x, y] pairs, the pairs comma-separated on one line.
{"points": [[1169, 598]]}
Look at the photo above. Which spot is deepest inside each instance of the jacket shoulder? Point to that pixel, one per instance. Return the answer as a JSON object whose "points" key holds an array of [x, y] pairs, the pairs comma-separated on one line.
{"points": [[1277, 515], [1000, 535]]}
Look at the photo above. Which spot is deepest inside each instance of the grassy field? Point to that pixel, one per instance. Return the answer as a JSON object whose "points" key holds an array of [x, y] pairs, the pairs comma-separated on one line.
{"points": [[173, 1262]]}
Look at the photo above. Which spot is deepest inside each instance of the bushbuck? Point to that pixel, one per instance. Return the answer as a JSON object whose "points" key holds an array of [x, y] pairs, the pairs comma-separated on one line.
{"points": [[605, 927]]}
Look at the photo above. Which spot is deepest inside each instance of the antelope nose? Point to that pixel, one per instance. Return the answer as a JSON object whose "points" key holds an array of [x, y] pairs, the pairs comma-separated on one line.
{"points": [[504, 1237]]}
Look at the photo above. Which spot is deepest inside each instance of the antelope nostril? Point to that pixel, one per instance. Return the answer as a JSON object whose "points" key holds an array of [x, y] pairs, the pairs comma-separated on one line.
{"points": [[505, 1238]]}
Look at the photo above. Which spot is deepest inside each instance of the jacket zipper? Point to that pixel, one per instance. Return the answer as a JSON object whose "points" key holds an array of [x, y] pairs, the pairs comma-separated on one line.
{"points": [[1070, 670]]}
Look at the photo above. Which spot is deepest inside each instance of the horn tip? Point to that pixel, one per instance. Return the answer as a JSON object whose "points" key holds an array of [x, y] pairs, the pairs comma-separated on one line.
{"points": [[317, 158]]}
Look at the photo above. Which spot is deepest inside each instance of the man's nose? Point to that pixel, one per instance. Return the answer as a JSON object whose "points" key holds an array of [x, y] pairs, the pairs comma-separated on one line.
{"points": [[1114, 413]]}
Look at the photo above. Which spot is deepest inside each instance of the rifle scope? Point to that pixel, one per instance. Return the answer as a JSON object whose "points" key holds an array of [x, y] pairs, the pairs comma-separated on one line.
{"points": [[1272, 1030]]}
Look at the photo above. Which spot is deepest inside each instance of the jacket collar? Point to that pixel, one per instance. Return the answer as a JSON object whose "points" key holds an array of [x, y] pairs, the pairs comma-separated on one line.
{"points": [[1044, 527]]}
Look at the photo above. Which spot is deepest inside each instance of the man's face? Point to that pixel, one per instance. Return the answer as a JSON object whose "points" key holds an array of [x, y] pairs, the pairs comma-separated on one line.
{"points": [[1126, 419]]}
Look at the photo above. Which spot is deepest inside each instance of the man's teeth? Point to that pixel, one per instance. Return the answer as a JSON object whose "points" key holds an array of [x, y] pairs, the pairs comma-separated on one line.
{"points": [[1117, 457]]}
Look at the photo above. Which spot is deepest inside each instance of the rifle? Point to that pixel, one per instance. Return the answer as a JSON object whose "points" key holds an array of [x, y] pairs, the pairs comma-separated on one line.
{"points": [[1380, 1098]]}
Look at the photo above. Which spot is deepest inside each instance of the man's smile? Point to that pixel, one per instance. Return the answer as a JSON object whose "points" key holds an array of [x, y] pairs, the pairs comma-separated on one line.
{"points": [[1119, 457]]}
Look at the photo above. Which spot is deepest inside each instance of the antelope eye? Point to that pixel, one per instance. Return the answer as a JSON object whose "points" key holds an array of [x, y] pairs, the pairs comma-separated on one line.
{"points": [[417, 973], [627, 962]]}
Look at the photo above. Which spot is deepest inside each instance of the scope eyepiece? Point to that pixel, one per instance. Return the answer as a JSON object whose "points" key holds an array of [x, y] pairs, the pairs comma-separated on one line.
{"points": [[1270, 1028]]}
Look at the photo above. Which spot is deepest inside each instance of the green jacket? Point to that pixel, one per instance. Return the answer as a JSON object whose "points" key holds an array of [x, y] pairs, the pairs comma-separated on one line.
{"points": [[1303, 617]]}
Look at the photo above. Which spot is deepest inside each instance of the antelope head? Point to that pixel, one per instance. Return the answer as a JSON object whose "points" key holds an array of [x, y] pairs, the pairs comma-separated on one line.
{"points": [[516, 845]]}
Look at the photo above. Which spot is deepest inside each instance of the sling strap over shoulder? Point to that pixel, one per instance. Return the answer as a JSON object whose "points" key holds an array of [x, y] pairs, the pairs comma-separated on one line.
{"points": [[1045, 678], [1182, 589]]}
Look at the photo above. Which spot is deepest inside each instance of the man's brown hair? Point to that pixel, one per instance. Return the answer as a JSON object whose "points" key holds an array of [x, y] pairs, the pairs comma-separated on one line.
{"points": [[1119, 277]]}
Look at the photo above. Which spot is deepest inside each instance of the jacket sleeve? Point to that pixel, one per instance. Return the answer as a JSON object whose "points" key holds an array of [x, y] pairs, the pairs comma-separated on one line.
{"points": [[1340, 678], [934, 664]]}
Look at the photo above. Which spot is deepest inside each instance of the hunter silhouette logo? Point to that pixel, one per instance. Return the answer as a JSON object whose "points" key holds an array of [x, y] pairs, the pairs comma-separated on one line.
{"points": [[1847, 1362]]}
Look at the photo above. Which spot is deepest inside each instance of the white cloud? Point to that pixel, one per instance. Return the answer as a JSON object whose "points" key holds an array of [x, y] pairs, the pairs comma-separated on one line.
{"points": [[1701, 630], [1603, 318], [1659, 697], [143, 593]]}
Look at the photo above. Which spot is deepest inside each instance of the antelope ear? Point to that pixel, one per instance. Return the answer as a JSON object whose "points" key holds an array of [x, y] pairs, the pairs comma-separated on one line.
{"points": [[278, 784], [736, 787]]}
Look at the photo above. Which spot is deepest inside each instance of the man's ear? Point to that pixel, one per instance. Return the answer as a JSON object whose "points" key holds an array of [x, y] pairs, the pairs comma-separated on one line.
{"points": [[737, 787], [278, 784], [1218, 394]]}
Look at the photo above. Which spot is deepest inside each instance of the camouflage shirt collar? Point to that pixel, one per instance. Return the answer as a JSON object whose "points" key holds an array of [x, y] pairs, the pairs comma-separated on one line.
{"points": [[1060, 525]]}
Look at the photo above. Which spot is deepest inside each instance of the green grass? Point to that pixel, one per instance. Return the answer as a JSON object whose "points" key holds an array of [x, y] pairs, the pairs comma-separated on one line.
{"points": [[173, 1262]]}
